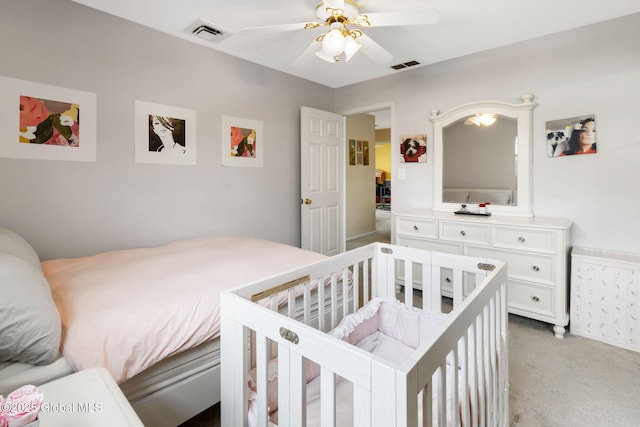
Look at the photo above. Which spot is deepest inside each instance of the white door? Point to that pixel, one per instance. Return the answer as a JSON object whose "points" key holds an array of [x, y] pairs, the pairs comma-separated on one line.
{"points": [[321, 181]]}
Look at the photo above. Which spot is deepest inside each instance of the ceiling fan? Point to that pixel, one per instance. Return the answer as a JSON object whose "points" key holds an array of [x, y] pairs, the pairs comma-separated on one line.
{"points": [[342, 40]]}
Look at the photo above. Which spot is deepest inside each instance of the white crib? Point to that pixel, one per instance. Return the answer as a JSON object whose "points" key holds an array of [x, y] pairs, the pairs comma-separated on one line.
{"points": [[278, 317]]}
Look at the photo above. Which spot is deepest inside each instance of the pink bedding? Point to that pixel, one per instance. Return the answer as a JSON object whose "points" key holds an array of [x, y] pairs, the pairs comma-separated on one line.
{"points": [[127, 310]]}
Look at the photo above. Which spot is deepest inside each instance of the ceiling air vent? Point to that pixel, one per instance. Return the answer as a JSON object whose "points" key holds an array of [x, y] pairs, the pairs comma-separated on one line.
{"points": [[405, 65], [208, 32]]}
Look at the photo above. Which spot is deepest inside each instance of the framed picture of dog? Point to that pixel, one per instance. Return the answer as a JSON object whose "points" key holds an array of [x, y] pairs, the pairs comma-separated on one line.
{"points": [[575, 135], [413, 148]]}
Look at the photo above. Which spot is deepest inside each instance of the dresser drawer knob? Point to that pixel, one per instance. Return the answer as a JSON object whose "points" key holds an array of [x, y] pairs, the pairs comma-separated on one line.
{"points": [[416, 228], [521, 239], [535, 268], [462, 233], [535, 298], [448, 280]]}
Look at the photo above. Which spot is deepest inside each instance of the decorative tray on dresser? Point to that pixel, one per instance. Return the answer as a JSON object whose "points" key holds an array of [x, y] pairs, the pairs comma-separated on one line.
{"points": [[536, 251]]}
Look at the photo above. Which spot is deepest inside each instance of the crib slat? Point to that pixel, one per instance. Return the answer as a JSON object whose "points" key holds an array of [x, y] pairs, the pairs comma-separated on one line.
{"points": [[473, 379], [263, 354], [307, 303], [362, 407], [346, 309], [334, 300], [297, 387], [408, 283], [327, 398], [492, 360], [366, 282], [284, 392], [321, 306], [442, 393], [291, 302], [462, 382], [480, 342], [380, 414], [356, 287]]}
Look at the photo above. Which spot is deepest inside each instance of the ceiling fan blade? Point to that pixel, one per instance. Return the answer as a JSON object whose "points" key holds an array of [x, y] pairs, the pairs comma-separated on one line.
{"points": [[274, 28], [404, 17], [373, 50], [308, 55]]}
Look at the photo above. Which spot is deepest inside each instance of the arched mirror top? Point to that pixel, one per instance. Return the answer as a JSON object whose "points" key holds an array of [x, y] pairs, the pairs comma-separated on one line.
{"points": [[477, 161]]}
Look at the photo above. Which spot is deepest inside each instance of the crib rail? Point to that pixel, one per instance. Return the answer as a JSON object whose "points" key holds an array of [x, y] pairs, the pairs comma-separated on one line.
{"points": [[460, 379]]}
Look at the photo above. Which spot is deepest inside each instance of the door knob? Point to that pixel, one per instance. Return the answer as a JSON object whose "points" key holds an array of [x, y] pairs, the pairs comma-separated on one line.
{"points": [[306, 201]]}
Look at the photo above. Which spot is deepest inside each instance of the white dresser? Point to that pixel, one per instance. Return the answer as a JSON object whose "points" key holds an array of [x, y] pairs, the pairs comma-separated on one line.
{"points": [[536, 251]]}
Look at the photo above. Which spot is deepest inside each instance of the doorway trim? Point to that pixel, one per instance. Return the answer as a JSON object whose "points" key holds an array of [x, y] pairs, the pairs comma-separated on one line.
{"points": [[391, 105]]}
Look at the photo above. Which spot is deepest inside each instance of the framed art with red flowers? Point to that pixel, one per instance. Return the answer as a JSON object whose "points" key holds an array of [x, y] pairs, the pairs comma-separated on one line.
{"points": [[165, 134], [46, 122], [242, 142]]}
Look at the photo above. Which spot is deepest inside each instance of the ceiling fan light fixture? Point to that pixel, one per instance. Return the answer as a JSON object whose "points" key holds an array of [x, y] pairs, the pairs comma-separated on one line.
{"points": [[323, 55], [351, 46], [484, 119], [333, 42]]}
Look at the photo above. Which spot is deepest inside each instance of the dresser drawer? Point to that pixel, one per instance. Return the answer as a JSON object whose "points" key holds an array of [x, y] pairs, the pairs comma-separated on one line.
{"points": [[419, 227], [464, 233], [530, 298], [429, 245], [524, 239], [527, 266]]}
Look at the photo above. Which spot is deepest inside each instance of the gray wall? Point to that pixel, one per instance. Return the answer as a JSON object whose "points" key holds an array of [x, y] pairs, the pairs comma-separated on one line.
{"points": [[590, 70], [360, 188], [75, 208]]}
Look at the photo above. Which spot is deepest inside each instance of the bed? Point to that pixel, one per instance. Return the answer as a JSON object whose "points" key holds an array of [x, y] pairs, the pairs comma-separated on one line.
{"points": [[339, 363], [479, 195], [148, 315]]}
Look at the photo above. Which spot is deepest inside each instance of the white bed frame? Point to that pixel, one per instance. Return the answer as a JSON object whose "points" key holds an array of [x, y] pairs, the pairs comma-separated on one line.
{"points": [[473, 338]]}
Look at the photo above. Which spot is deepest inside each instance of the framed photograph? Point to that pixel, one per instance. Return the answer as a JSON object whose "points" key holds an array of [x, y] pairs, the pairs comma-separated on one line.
{"points": [[242, 142], [365, 153], [413, 148], [352, 152], [575, 135], [164, 134], [39, 121]]}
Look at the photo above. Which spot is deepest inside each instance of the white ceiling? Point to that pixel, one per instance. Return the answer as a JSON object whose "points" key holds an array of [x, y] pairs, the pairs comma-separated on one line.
{"points": [[464, 27]]}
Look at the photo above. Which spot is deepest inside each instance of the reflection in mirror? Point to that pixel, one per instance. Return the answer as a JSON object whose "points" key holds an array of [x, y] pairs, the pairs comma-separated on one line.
{"points": [[480, 155], [476, 161]]}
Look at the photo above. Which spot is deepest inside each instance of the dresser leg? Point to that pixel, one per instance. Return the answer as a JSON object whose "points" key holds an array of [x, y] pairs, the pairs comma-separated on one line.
{"points": [[559, 331]]}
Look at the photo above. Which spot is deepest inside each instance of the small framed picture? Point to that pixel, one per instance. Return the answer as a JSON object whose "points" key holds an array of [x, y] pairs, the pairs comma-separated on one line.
{"points": [[413, 148], [165, 134], [39, 121], [575, 135], [242, 142]]}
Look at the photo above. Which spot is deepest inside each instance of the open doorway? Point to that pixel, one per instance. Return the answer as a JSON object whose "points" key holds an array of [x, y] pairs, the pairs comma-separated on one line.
{"points": [[368, 177]]}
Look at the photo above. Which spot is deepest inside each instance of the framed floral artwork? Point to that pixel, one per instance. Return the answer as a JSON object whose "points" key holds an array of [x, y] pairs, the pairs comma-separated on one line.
{"points": [[165, 134], [242, 142], [46, 122]]}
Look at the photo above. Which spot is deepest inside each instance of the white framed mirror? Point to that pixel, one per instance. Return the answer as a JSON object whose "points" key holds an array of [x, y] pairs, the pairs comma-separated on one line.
{"points": [[482, 153]]}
